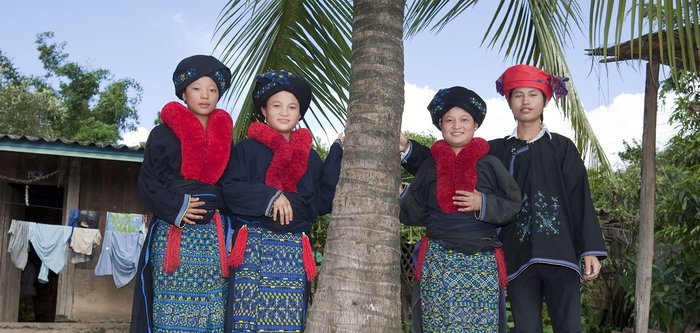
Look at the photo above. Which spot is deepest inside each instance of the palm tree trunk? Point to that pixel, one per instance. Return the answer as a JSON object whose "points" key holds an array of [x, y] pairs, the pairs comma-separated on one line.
{"points": [[647, 202], [359, 284]]}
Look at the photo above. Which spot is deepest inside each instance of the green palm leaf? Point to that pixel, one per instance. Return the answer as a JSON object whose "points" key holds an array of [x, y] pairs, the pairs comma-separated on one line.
{"points": [[302, 36]]}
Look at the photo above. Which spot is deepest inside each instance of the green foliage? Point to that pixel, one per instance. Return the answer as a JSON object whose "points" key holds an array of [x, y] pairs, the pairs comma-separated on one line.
{"points": [[88, 105], [609, 300], [676, 269], [320, 228], [92, 130], [23, 112]]}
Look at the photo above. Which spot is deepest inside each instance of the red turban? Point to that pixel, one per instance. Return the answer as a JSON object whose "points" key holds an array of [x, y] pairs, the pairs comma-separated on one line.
{"points": [[520, 76]]}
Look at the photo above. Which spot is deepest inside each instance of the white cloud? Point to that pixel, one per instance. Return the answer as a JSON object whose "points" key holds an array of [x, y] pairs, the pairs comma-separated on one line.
{"points": [[135, 138], [178, 18], [623, 120], [620, 120], [415, 113]]}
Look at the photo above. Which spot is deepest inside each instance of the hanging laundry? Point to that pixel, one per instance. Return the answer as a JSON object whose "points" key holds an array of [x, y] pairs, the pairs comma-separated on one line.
{"points": [[89, 219], [19, 242], [50, 243], [120, 255], [73, 217], [125, 222], [82, 242]]}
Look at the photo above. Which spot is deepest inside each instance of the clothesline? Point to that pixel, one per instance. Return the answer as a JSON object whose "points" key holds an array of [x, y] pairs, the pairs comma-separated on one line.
{"points": [[119, 255], [30, 205]]}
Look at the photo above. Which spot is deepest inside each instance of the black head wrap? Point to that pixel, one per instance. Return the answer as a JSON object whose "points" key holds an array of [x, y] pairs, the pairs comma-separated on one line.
{"points": [[192, 68], [272, 82], [446, 99]]}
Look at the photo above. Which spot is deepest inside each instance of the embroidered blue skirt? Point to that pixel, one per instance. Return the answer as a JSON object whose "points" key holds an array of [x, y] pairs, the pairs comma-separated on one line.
{"points": [[193, 298], [459, 292], [270, 289]]}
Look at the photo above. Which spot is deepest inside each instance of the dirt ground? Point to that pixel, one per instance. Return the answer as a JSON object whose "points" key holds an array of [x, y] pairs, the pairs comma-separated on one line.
{"points": [[64, 327]]}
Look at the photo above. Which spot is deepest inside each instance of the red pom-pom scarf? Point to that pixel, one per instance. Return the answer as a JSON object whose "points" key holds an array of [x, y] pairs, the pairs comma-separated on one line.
{"points": [[290, 158], [456, 171]]}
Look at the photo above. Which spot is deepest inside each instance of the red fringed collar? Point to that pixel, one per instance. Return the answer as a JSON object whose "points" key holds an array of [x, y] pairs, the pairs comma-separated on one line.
{"points": [[456, 172], [290, 158], [205, 152]]}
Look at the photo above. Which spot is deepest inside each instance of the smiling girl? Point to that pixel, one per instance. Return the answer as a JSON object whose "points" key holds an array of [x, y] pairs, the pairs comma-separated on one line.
{"points": [[461, 289], [182, 275], [286, 186]]}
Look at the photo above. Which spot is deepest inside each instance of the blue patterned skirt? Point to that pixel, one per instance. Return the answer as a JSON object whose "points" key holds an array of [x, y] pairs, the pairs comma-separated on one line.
{"points": [[459, 292], [193, 298], [270, 289]]}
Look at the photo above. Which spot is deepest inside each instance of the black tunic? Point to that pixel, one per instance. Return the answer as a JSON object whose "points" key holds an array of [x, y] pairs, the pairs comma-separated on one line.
{"points": [[557, 223], [249, 198], [500, 198]]}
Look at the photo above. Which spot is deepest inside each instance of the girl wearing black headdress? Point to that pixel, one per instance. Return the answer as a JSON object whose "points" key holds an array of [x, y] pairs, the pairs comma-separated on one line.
{"points": [[460, 264], [277, 186], [182, 275]]}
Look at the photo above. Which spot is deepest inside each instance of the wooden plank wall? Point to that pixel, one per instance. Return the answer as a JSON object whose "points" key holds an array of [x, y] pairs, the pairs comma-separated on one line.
{"points": [[112, 186], [64, 299], [16, 165]]}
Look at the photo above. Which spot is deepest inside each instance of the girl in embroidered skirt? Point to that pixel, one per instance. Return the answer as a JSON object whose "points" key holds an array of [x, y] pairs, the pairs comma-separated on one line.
{"points": [[460, 265], [182, 281], [286, 187]]}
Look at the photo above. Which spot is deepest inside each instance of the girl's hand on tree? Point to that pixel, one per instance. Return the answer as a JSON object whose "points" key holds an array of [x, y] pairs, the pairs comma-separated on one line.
{"points": [[403, 143]]}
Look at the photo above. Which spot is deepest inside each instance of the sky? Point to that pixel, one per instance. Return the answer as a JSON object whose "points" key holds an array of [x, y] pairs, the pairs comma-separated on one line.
{"points": [[145, 40]]}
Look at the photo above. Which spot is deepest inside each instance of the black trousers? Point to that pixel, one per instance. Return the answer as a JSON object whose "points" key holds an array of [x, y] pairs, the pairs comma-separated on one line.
{"points": [[559, 286]]}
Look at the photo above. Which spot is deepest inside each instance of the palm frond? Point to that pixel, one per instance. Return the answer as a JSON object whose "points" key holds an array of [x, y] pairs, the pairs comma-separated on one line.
{"points": [[421, 14], [665, 31], [301, 36]]}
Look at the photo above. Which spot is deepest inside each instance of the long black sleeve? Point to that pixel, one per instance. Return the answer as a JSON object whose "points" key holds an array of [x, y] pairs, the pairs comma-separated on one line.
{"points": [[330, 177], [160, 167], [416, 157]]}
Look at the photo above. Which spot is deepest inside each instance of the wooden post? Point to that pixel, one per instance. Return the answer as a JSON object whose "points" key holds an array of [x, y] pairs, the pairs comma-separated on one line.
{"points": [[647, 202], [64, 299], [10, 276]]}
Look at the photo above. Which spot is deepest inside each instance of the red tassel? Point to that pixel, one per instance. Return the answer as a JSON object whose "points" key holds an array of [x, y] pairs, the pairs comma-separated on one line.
{"points": [[308, 257], [172, 251], [422, 250], [502, 271], [222, 245], [238, 252]]}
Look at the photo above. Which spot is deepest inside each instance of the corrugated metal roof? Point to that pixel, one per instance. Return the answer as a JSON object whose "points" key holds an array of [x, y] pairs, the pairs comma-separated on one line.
{"points": [[63, 147]]}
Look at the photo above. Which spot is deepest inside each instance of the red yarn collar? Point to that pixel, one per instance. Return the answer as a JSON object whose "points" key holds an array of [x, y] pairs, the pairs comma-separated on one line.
{"points": [[456, 172], [290, 158], [205, 152]]}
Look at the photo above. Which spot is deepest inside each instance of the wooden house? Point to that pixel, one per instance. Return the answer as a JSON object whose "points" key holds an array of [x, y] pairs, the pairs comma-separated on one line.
{"points": [[41, 181]]}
